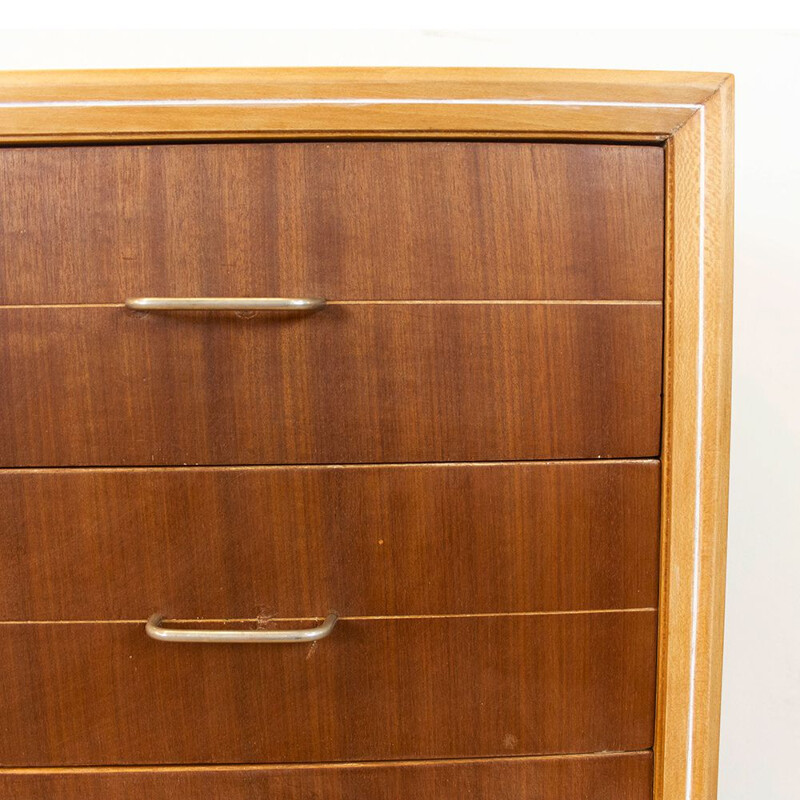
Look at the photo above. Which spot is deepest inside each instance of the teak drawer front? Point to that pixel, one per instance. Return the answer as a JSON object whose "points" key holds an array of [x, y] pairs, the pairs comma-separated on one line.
{"points": [[616, 776], [343, 220], [348, 384], [392, 688], [366, 541]]}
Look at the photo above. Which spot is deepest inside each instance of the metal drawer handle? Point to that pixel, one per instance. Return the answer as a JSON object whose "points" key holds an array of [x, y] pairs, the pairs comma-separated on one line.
{"points": [[224, 303], [154, 630]]}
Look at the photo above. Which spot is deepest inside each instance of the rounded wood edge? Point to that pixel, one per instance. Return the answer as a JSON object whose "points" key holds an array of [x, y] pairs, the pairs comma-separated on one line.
{"points": [[695, 449], [130, 105]]}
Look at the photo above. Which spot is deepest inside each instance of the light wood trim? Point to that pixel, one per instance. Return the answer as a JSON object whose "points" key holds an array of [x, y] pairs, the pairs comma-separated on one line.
{"points": [[692, 112], [555, 84], [623, 776], [331, 765], [275, 103], [695, 446]]}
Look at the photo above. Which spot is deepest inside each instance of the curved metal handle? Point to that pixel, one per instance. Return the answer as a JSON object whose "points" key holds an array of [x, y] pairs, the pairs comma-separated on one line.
{"points": [[154, 630], [224, 303]]}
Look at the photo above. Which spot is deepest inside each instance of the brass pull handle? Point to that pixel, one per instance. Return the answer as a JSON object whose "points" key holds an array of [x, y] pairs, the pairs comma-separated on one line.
{"points": [[224, 303], [154, 630]]}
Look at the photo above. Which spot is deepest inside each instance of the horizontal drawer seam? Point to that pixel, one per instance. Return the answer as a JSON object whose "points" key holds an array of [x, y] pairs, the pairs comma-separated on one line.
{"points": [[384, 303], [333, 765], [255, 620], [364, 465]]}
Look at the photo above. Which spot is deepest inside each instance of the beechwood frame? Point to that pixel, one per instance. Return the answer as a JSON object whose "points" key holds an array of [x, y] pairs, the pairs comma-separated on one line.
{"points": [[689, 114]]}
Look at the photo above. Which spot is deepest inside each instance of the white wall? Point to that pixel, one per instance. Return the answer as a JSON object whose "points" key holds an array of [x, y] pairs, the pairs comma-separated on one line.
{"points": [[760, 750]]}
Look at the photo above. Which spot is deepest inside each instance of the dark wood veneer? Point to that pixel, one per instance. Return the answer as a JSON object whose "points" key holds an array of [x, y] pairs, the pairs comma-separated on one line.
{"points": [[229, 542], [350, 383], [344, 220], [392, 688]]}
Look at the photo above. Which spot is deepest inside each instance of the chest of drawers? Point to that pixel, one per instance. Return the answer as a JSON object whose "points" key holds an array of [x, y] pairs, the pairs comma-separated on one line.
{"points": [[446, 517]]}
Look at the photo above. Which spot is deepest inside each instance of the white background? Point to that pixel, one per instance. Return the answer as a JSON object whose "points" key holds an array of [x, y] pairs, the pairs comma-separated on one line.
{"points": [[760, 747]]}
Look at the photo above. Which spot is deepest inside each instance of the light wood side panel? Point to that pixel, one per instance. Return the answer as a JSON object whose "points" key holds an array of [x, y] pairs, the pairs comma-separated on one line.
{"points": [[375, 689], [623, 776], [696, 451], [340, 220], [350, 383], [230, 543]]}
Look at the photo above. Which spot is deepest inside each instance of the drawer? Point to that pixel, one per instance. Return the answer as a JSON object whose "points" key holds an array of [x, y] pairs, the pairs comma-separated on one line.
{"points": [[622, 776], [351, 383], [346, 221], [366, 541], [392, 688]]}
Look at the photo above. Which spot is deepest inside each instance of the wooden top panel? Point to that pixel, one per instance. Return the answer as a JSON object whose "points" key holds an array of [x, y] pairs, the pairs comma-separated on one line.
{"points": [[319, 82], [345, 221], [130, 104]]}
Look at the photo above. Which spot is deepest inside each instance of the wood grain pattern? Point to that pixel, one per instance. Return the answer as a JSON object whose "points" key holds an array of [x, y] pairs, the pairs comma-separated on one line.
{"points": [[697, 439], [345, 221], [623, 776], [421, 687], [572, 120], [351, 383], [631, 105], [230, 543], [360, 82]]}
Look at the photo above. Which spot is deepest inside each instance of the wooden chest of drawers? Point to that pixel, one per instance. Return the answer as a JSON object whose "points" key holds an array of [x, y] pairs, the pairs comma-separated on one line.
{"points": [[444, 483]]}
